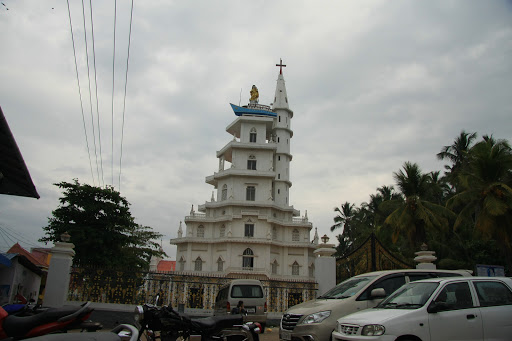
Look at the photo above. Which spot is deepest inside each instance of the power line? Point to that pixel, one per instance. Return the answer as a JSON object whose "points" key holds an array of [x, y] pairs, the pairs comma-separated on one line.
{"points": [[80, 92], [97, 101], [113, 84], [15, 236], [90, 92], [124, 99]]}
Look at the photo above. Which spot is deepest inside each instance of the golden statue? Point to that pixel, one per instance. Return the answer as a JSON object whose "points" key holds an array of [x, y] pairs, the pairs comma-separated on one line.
{"points": [[254, 95]]}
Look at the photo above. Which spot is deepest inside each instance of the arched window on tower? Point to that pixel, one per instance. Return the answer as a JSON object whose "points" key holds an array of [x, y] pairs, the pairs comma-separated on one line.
{"points": [[220, 264], [295, 235], [222, 231], [198, 264], [182, 264], [252, 135], [251, 162], [274, 267], [312, 270], [224, 192], [248, 259], [274, 233], [295, 269], [200, 231]]}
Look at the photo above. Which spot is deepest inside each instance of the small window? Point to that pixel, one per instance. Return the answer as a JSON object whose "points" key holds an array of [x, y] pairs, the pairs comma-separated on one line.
{"points": [[274, 233], [295, 269], [295, 235], [222, 231], [274, 268], [493, 294], [249, 230], [251, 162], [250, 193], [279, 158], [220, 264], [224, 192], [198, 264], [312, 270], [182, 264], [200, 231], [252, 135]]}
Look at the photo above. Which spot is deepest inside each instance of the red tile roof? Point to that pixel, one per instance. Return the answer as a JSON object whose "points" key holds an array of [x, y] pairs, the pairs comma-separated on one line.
{"points": [[166, 266], [16, 248]]}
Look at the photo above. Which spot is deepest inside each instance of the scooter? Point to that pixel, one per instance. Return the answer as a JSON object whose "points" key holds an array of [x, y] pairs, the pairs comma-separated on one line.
{"points": [[46, 321]]}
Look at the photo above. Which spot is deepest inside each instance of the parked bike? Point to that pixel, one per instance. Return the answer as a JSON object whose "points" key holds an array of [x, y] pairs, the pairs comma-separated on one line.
{"points": [[166, 324], [123, 332], [47, 320]]}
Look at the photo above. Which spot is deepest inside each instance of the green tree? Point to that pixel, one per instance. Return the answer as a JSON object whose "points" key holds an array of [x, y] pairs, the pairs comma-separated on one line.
{"points": [[343, 219], [485, 203], [457, 153], [101, 227], [413, 215]]}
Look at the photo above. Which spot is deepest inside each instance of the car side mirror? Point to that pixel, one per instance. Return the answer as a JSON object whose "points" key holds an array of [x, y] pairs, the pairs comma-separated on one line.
{"points": [[378, 293], [436, 307]]}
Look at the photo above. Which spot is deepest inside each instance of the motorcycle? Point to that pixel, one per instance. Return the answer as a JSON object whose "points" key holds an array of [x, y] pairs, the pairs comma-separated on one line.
{"points": [[167, 324], [45, 321], [123, 332]]}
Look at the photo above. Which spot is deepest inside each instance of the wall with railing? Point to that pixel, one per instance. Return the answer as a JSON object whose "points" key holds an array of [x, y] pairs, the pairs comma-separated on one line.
{"points": [[186, 292]]}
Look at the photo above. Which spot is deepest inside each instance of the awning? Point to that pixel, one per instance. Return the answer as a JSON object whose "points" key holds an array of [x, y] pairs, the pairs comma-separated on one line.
{"points": [[14, 176]]}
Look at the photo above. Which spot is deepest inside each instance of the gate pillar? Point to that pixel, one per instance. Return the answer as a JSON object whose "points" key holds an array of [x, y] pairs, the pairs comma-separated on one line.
{"points": [[325, 266], [57, 282]]}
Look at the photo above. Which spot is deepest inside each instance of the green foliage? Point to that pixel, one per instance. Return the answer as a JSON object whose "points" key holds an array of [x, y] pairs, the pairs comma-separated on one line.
{"points": [[465, 215], [101, 227]]}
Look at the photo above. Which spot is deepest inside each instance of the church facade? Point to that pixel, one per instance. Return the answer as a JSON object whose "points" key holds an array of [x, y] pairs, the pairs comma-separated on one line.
{"points": [[249, 228]]}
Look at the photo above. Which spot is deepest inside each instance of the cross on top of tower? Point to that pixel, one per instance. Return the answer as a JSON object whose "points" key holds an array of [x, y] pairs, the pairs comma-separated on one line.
{"points": [[281, 65]]}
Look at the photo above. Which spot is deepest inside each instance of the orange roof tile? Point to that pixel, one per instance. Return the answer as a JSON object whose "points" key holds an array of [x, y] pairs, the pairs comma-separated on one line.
{"points": [[166, 266], [16, 248]]}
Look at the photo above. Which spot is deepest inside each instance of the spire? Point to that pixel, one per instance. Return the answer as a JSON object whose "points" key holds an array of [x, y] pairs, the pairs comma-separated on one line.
{"points": [[280, 98]]}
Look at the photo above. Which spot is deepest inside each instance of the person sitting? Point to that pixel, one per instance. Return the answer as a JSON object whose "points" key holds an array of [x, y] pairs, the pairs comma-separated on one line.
{"points": [[239, 309]]}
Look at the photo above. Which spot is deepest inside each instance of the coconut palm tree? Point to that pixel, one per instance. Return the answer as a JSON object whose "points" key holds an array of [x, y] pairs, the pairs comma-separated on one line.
{"points": [[414, 216], [344, 219], [486, 200], [457, 153]]}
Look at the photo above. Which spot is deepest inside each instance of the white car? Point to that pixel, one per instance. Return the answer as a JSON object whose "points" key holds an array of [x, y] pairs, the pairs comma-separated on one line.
{"points": [[464, 308]]}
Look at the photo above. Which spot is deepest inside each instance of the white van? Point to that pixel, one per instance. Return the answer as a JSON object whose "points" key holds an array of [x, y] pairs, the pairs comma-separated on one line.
{"points": [[251, 292], [315, 320]]}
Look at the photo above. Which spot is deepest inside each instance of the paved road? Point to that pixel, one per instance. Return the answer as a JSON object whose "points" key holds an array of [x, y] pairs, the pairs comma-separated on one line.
{"points": [[271, 334]]}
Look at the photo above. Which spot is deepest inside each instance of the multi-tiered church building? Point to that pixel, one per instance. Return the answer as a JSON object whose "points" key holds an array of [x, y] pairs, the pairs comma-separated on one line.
{"points": [[249, 227]]}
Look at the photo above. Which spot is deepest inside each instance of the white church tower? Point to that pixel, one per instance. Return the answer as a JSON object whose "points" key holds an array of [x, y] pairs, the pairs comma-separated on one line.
{"points": [[249, 227]]}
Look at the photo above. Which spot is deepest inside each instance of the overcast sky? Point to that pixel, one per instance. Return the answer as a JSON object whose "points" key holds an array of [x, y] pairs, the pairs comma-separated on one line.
{"points": [[372, 84]]}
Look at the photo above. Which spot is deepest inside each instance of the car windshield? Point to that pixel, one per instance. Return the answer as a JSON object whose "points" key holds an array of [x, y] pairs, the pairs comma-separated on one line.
{"points": [[348, 287], [409, 296]]}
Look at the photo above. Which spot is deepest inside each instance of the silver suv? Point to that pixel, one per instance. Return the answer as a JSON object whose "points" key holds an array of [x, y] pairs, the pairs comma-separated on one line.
{"points": [[315, 320]]}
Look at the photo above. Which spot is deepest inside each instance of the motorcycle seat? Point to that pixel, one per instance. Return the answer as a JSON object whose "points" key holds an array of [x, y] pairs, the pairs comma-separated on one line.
{"points": [[218, 322], [17, 326]]}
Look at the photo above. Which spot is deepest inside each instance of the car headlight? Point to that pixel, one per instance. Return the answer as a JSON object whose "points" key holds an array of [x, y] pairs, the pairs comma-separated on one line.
{"points": [[373, 330], [138, 314], [316, 317]]}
